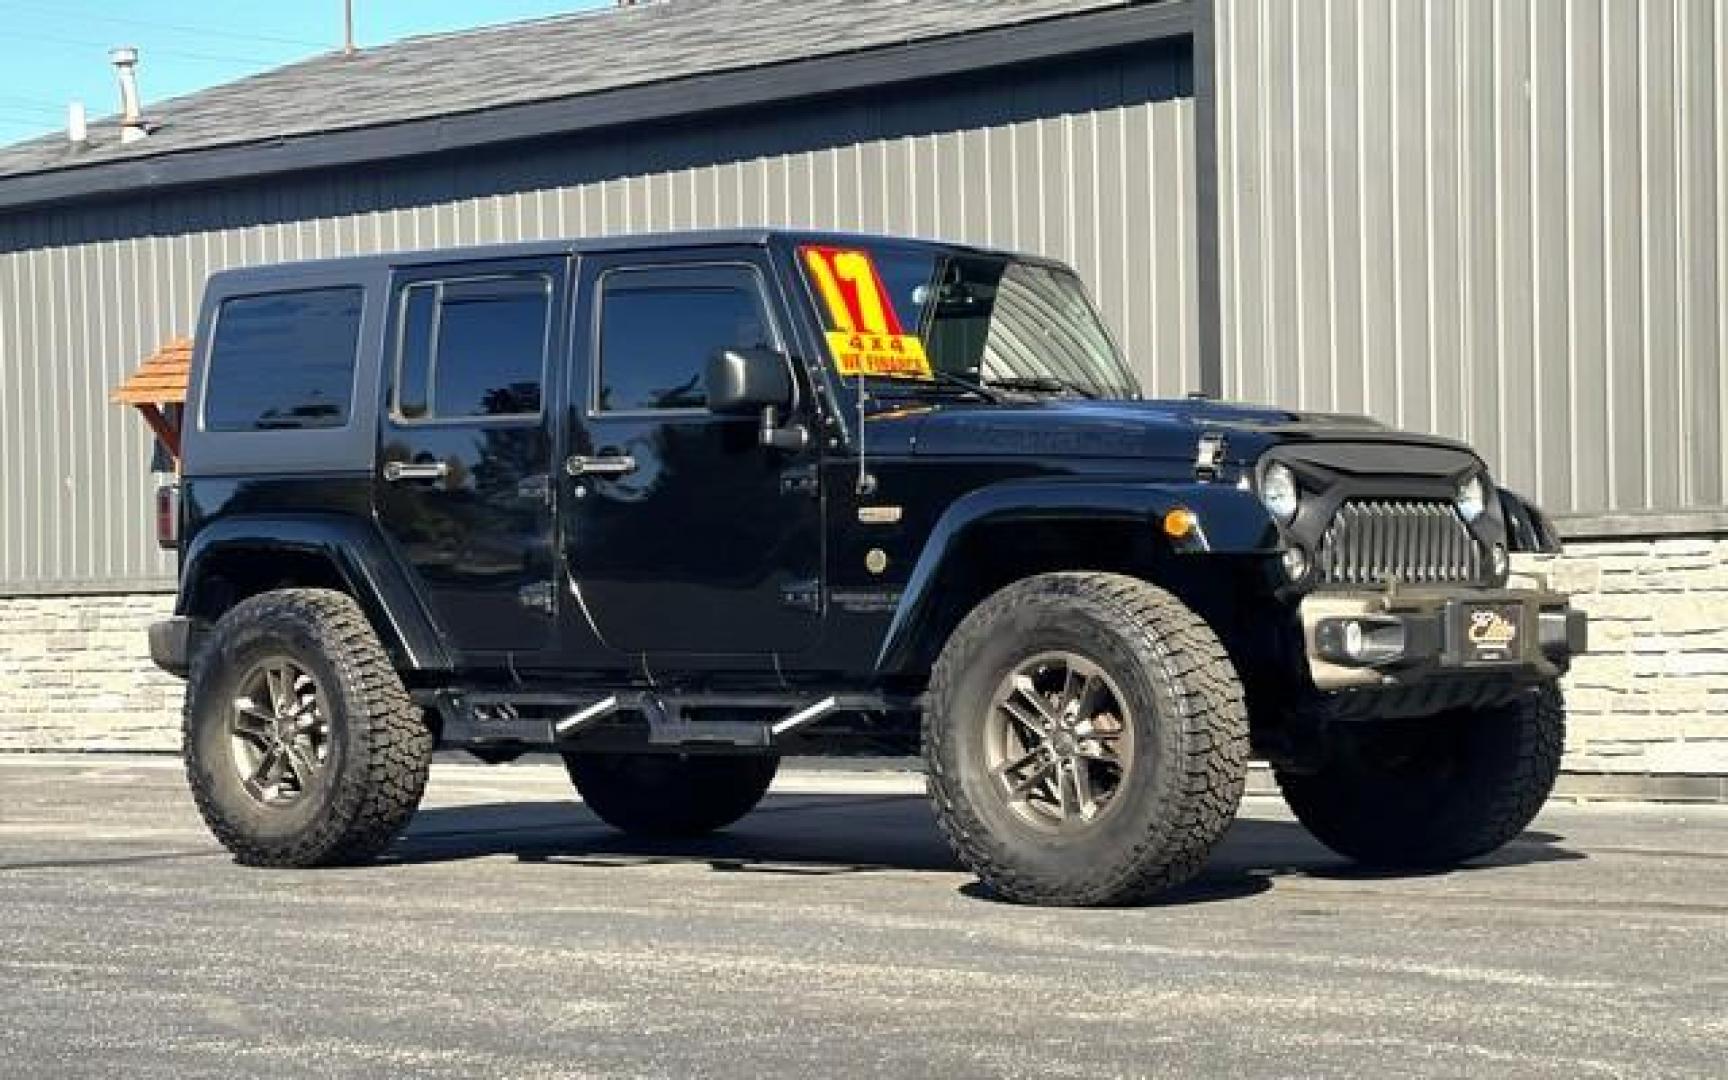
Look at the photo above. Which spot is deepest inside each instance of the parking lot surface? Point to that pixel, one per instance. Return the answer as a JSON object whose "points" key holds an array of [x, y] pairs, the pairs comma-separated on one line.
{"points": [[830, 934]]}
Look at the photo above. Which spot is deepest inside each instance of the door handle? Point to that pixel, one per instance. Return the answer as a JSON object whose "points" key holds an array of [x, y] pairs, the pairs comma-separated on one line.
{"points": [[606, 465], [398, 471]]}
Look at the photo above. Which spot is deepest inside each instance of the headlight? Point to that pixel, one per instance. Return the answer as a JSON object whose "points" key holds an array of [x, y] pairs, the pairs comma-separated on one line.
{"points": [[1278, 492], [1472, 498]]}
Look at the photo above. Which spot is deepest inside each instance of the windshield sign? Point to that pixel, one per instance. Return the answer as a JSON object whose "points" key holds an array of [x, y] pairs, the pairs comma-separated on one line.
{"points": [[929, 318], [864, 330]]}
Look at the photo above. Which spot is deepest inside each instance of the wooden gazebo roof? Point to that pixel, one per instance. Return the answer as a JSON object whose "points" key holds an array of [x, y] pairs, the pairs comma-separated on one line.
{"points": [[159, 382]]}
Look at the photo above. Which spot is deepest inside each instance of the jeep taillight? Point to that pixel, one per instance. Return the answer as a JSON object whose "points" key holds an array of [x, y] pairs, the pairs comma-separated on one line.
{"points": [[168, 512]]}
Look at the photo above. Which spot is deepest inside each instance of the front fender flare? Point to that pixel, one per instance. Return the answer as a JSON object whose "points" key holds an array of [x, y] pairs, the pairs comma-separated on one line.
{"points": [[1232, 522], [1528, 529], [362, 557]]}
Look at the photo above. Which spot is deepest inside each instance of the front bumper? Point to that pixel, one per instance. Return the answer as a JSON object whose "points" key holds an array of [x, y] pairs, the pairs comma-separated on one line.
{"points": [[172, 642], [1390, 639]]}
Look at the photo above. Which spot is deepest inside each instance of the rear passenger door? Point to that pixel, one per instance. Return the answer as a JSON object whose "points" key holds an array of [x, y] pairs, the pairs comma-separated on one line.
{"points": [[465, 451]]}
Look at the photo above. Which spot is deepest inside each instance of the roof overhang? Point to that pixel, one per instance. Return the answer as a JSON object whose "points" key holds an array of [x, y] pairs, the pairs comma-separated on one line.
{"points": [[157, 388], [998, 47], [160, 379]]}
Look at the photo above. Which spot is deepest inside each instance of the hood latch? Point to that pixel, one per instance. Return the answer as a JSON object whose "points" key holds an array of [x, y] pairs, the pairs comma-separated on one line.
{"points": [[1209, 456]]}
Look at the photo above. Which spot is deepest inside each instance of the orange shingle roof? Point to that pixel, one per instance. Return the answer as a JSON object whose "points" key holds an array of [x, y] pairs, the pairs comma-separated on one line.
{"points": [[161, 379]]}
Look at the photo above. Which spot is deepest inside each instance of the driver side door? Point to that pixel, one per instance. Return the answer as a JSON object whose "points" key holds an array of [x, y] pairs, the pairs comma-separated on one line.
{"points": [[684, 535]]}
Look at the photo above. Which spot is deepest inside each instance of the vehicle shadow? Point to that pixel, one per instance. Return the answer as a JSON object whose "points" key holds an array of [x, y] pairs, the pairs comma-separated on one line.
{"points": [[821, 835]]}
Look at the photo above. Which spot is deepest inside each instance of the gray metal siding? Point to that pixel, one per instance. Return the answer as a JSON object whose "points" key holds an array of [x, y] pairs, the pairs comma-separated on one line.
{"points": [[1091, 163], [1504, 220]]}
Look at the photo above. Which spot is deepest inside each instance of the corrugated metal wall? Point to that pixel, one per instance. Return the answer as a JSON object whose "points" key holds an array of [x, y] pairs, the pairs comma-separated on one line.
{"points": [[1092, 163], [1505, 220]]}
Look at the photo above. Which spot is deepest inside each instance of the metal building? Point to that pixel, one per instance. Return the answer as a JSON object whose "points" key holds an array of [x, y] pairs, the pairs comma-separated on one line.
{"points": [[1503, 220], [1500, 219]]}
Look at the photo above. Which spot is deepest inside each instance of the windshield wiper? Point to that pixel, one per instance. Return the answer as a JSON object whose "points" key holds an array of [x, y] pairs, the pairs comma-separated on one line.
{"points": [[942, 378], [982, 389], [1044, 384]]}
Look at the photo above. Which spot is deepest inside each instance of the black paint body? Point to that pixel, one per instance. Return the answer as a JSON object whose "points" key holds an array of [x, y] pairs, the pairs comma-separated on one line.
{"points": [[719, 563]]}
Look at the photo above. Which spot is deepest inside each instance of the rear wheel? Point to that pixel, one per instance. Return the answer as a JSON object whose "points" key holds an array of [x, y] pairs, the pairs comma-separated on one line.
{"points": [[302, 748], [1085, 739], [670, 794], [1436, 791]]}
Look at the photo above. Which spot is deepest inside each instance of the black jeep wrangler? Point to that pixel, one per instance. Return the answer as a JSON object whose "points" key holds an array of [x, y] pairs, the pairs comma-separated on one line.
{"points": [[674, 506]]}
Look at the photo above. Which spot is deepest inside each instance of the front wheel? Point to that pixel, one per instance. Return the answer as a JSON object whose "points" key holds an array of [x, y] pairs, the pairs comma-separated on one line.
{"points": [[1437, 791], [1085, 739], [671, 795]]}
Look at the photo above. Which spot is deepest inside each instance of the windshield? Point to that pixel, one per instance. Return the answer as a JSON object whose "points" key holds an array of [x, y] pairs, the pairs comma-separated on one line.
{"points": [[924, 321]]}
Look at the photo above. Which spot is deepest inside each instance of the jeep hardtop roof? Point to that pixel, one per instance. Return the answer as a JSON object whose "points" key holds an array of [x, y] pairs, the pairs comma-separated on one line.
{"points": [[279, 274]]}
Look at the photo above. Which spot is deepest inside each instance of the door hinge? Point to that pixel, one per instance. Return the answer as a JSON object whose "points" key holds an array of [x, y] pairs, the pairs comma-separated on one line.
{"points": [[536, 488], [802, 595], [540, 596], [801, 481]]}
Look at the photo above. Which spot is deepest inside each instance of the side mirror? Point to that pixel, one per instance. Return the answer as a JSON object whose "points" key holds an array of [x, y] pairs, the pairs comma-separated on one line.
{"points": [[745, 381]]}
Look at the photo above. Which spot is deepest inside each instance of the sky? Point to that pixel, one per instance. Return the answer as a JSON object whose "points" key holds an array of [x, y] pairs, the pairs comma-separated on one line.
{"points": [[53, 52]]}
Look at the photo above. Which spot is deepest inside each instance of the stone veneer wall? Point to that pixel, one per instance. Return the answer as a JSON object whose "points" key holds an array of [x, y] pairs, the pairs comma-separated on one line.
{"points": [[1652, 694], [1651, 698], [75, 674]]}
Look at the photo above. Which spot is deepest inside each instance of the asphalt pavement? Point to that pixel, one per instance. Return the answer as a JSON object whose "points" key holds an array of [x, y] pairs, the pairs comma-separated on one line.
{"points": [[830, 934]]}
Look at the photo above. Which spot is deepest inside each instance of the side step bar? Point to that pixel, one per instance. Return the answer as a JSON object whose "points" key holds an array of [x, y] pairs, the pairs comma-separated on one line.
{"points": [[556, 721], [585, 716]]}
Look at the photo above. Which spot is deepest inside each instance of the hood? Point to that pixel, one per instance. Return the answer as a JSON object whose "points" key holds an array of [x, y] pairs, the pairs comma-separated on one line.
{"points": [[1116, 429]]}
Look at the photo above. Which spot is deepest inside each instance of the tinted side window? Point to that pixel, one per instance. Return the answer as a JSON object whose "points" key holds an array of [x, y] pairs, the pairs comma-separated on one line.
{"points": [[283, 361], [659, 327], [473, 348]]}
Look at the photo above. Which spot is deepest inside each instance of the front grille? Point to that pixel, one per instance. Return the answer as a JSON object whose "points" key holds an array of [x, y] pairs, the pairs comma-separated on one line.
{"points": [[1373, 540]]}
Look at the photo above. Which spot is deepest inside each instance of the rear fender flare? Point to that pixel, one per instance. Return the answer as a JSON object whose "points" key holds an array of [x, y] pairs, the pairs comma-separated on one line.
{"points": [[362, 557], [1231, 522]]}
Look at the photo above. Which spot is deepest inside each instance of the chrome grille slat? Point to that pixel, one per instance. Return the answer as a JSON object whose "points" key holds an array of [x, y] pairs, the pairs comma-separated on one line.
{"points": [[1415, 541]]}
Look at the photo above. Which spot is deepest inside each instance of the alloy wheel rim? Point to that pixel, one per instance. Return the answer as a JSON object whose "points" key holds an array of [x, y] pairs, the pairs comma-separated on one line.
{"points": [[279, 732], [1059, 742]]}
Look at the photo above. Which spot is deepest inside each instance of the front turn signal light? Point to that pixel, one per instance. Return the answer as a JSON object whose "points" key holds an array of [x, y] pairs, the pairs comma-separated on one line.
{"points": [[1181, 523]]}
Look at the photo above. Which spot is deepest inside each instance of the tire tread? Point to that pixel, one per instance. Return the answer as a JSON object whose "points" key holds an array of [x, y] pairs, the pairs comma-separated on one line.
{"points": [[1480, 816], [1201, 683], [371, 806], [665, 796]]}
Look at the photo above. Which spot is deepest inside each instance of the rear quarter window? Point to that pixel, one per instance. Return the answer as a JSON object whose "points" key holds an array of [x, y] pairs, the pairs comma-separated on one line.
{"points": [[283, 361]]}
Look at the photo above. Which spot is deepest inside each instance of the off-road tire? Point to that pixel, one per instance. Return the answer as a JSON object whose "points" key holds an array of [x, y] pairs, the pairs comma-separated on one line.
{"points": [[1190, 729], [380, 746], [671, 795], [1433, 792]]}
